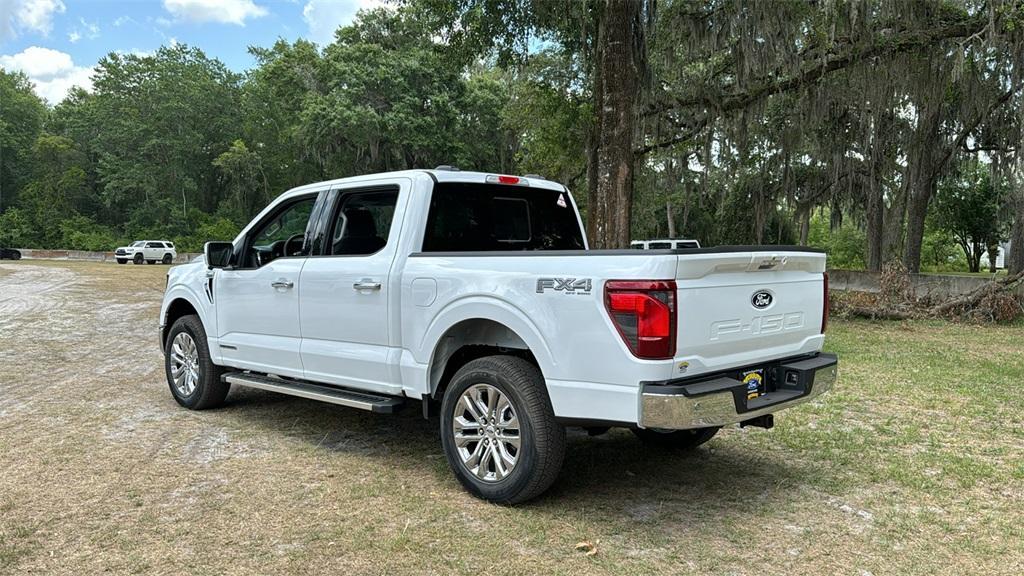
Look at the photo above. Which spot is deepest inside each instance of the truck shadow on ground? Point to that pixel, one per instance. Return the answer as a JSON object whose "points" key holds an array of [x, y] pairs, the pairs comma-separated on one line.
{"points": [[615, 470]]}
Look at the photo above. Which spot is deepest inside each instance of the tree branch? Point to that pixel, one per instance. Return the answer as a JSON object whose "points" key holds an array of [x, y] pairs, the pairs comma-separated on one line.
{"points": [[882, 45]]}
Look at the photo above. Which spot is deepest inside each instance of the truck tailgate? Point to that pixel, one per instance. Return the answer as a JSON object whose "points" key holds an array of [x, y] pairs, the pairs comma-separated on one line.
{"points": [[737, 309]]}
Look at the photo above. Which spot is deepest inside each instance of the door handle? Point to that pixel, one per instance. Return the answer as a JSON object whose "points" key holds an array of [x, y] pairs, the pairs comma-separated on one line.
{"points": [[366, 284], [282, 283]]}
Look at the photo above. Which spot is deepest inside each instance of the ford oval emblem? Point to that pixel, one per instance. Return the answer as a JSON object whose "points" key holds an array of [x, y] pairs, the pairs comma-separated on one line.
{"points": [[761, 299]]}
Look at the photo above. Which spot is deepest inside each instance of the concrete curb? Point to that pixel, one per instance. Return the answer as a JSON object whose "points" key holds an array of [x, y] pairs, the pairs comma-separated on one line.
{"points": [[30, 253], [936, 285]]}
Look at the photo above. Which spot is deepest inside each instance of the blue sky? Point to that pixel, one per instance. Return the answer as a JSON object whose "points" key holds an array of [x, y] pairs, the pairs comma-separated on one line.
{"points": [[57, 42]]}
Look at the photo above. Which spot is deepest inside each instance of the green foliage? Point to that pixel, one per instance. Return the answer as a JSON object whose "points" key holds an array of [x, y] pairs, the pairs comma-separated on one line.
{"points": [[968, 207], [21, 118], [844, 245], [16, 229], [83, 233]]}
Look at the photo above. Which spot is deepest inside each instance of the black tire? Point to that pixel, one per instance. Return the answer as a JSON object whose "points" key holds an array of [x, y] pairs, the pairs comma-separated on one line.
{"points": [[209, 391], [167, 258], [137, 259], [677, 439], [16, 255], [122, 260], [542, 448]]}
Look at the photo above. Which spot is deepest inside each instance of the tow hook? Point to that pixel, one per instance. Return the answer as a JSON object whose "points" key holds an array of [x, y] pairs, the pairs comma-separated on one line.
{"points": [[767, 422]]}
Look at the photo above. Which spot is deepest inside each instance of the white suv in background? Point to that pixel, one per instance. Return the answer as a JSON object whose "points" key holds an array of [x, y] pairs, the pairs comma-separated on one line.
{"points": [[149, 251]]}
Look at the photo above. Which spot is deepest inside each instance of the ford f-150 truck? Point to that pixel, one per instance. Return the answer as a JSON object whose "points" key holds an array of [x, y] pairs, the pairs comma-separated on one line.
{"points": [[477, 296]]}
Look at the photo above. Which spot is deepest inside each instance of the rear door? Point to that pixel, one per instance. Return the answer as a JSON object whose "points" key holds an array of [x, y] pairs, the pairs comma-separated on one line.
{"points": [[741, 307], [257, 300], [347, 290]]}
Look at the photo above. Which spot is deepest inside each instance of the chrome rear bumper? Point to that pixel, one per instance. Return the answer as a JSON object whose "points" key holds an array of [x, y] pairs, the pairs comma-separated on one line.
{"points": [[681, 405]]}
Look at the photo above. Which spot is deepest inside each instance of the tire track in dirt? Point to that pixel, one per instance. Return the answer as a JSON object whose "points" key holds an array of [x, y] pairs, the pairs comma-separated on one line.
{"points": [[28, 289]]}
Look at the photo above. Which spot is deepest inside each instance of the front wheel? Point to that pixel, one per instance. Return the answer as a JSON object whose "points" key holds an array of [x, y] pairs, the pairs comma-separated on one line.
{"points": [[193, 378], [137, 259], [499, 432], [679, 439]]}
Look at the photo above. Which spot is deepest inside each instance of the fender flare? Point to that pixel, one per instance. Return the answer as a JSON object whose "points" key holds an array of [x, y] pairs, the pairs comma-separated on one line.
{"points": [[183, 292]]}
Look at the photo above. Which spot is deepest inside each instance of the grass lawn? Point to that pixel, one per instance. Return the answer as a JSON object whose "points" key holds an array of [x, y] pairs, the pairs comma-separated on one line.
{"points": [[913, 464]]}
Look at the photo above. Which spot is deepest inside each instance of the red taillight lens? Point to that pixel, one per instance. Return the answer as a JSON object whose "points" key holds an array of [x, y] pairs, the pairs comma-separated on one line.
{"points": [[644, 313], [824, 306]]}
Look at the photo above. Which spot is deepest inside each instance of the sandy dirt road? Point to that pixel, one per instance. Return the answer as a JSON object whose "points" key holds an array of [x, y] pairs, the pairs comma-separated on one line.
{"points": [[101, 472]]}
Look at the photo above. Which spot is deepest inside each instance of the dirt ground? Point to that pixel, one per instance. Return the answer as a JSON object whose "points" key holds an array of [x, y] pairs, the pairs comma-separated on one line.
{"points": [[913, 465]]}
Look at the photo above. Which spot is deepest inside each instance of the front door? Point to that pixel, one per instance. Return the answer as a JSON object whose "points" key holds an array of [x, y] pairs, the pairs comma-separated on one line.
{"points": [[257, 300], [345, 292]]}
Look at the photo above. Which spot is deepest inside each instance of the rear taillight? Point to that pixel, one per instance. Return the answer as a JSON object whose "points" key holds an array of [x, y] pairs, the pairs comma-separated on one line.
{"points": [[644, 313], [824, 306]]}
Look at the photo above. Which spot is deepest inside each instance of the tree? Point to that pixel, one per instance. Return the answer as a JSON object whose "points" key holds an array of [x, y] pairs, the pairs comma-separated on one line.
{"points": [[21, 119], [969, 207], [247, 188]]}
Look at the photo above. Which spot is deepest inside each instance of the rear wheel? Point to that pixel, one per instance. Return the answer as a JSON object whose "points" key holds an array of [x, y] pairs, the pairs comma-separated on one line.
{"points": [[137, 259], [193, 378], [167, 258], [499, 432], [679, 439]]}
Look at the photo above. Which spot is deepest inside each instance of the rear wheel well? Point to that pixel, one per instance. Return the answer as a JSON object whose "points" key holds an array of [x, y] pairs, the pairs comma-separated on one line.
{"points": [[177, 309], [467, 341]]}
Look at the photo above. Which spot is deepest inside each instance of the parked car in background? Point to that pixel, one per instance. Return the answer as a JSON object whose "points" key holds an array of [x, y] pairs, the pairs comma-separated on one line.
{"points": [[9, 254], [149, 251], [665, 244]]}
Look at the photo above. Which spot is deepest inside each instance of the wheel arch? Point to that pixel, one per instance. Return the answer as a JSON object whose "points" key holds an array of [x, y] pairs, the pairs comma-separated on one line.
{"points": [[473, 337], [181, 302]]}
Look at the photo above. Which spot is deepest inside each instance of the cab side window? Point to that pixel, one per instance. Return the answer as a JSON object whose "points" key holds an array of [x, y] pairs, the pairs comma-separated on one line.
{"points": [[154, 245], [362, 222], [283, 234]]}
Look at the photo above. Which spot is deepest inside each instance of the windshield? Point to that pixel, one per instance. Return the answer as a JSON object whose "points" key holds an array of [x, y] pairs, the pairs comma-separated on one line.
{"points": [[139, 243]]}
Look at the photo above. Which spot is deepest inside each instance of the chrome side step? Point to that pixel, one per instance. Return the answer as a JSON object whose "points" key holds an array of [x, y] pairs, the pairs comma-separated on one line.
{"points": [[330, 394]]}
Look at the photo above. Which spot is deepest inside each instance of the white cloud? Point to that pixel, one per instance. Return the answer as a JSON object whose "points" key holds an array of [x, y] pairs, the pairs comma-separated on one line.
{"points": [[53, 72], [223, 11], [18, 16], [324, 16], [90, 30]]}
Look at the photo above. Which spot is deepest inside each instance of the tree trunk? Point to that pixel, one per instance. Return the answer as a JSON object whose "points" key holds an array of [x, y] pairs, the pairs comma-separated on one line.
{"points": [[670, 218], [1014, 258], [616, 82], [803, 216], [917, 210], [921, 174]]}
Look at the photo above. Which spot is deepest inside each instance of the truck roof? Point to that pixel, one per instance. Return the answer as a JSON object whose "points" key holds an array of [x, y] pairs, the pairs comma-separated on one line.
{"points": [[438, 175]]}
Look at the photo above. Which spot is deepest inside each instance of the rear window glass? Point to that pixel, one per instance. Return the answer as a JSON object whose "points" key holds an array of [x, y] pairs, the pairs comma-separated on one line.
{"points": [[660, 245], [467, 217]]}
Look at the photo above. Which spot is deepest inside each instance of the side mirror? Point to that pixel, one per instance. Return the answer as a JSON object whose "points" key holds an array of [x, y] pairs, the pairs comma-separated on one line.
{"points": [[218, 254]]}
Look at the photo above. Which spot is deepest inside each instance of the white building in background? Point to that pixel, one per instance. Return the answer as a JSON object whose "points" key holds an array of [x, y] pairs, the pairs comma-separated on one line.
{"points": [[1004, 249]]}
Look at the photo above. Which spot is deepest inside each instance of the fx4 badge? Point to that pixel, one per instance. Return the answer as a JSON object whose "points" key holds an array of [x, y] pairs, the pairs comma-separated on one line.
{"points": [[567, 285]]}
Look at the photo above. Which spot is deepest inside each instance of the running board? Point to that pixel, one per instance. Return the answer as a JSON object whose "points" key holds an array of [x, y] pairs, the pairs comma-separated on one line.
{"points": [[303, 389]]}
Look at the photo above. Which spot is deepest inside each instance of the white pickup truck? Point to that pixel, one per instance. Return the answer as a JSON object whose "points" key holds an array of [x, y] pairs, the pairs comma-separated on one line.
{"points": [[475, 295]]}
